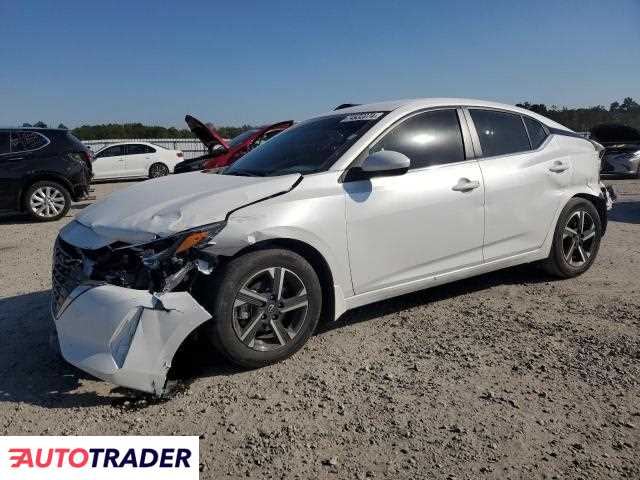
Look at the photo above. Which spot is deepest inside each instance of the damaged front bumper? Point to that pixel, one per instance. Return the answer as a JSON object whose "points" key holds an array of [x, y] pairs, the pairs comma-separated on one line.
{"points": [[124, 336]]}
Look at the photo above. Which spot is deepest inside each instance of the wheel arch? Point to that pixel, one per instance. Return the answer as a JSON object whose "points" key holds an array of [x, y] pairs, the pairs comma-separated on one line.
{"points": [[41, 177], [315, 259], [601, 206]]}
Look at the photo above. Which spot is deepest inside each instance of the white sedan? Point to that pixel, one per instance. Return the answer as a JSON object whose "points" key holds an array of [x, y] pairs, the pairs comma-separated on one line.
{"points": [[134, 160]]}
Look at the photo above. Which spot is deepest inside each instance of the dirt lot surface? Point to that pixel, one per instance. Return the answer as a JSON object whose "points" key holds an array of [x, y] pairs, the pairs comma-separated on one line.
{"points": [[507, 375]]}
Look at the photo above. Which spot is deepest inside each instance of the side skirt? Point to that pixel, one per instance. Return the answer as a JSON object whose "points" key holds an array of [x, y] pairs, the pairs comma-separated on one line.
{"points": [[440, 279]]}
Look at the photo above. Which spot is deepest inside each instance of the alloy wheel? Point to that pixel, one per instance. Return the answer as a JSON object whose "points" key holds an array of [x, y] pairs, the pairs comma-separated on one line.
{"points": [[47, 202], [158, 171], [270, 309], [578, 238]]}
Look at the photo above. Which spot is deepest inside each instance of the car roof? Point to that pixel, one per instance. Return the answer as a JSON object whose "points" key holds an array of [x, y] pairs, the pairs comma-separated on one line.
{"points": [[133, 142], [412, 104], [129, 143]]}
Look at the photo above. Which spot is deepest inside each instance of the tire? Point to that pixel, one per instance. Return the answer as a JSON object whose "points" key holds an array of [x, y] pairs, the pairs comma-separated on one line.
{"points": [[158, 170], [47, 201], [252, 332], [572, 253]]}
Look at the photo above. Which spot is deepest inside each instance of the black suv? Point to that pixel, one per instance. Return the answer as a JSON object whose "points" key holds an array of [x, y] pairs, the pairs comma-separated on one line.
{"points": [[41, 171]]}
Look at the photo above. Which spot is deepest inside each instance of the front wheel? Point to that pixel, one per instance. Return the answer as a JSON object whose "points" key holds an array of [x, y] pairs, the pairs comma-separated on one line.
{"points": [[576, 240], [265, 305]]}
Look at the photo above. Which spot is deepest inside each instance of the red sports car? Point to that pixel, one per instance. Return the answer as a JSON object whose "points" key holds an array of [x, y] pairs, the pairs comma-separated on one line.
{"points": [[223, 152]]}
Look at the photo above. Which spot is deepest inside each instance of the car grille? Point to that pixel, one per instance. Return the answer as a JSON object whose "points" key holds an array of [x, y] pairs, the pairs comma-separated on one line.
{"points": [[66, 274]]}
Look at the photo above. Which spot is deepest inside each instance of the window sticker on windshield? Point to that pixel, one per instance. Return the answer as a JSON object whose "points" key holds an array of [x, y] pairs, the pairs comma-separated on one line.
{"points": [[362, 117]]}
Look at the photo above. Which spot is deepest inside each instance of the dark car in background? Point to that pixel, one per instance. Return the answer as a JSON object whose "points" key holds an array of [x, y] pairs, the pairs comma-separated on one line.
{"points": [[221, 152], [42, 170], [621, 155]]}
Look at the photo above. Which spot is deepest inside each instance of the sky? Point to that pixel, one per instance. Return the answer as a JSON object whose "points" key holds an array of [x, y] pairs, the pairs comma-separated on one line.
{"points": [[234, 63]]}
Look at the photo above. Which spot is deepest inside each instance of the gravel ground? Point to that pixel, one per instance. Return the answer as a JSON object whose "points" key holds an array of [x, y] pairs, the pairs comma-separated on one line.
{"points": [[507, 375]]}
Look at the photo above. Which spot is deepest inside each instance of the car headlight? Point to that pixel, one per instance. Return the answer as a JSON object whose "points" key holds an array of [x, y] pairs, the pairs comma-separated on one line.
{"points": [[155, 253]]}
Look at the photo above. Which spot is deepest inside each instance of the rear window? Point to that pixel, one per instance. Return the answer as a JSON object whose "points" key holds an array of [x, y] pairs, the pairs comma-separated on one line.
{"points": [[238, 140], [25, 141], [500, 133]]}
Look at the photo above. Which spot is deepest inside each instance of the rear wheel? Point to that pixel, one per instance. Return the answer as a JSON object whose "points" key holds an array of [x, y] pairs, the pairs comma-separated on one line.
{"points": [[46, 201], [158, 170], [265, 305], [576, 240]]}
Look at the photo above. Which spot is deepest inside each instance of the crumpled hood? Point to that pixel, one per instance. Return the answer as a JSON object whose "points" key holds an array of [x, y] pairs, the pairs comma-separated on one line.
{"points": [[168, 205]]}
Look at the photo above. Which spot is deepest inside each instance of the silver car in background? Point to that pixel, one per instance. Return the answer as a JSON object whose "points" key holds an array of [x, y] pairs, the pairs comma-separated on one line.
{"points": [[621, 155], [339, 211]]}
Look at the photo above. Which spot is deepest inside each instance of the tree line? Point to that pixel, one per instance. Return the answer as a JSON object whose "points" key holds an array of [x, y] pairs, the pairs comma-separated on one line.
{"points": [[137, 130], [581, 119]]}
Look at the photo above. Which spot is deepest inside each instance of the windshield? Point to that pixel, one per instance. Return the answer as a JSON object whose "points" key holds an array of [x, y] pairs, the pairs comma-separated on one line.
{"points": [[239, 139], [308, 147]]}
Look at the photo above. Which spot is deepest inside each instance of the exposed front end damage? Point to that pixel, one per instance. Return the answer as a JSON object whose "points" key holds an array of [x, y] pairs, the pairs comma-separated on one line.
{"points": [[124, 271], [121, 311], [124, 336]]}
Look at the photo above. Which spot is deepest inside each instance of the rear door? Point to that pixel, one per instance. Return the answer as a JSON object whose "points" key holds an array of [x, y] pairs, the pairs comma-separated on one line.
{"points": [[110, 162], [17, 159], [430, 220], [525, 178], [139, 159]]}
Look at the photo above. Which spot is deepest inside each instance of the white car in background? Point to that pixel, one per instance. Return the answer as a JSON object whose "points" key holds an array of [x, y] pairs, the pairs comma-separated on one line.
{"points": [[134, 160]]}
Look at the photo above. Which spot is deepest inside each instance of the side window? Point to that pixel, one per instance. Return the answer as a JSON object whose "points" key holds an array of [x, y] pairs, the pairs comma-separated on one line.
{"points": [[537, 133], [4, 142], [429, 138], [137, 149], [114, 151], [500, 133], [23, 141]]}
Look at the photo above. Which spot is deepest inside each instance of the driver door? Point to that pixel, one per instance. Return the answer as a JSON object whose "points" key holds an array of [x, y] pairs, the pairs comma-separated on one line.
{"points": [[426, 222]]}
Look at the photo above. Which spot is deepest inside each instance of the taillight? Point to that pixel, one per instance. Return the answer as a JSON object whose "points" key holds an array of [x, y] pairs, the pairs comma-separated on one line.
{"points": [[179, 154]]}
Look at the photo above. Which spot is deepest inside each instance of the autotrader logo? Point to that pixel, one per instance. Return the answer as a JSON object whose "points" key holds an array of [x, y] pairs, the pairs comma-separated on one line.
{"points": [[70, 458]]}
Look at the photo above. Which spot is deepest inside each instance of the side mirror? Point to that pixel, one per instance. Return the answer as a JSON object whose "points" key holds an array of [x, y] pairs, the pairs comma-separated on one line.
{"points": [[380, 164], [386, 162]]}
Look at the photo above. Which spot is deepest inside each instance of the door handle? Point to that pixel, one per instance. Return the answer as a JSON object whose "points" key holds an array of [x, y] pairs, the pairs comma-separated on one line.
{"points": [[465, 185], [558, 167]]}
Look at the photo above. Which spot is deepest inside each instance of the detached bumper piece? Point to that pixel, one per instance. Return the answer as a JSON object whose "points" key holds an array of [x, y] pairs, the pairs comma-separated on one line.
{"points": [[124, 336]]}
